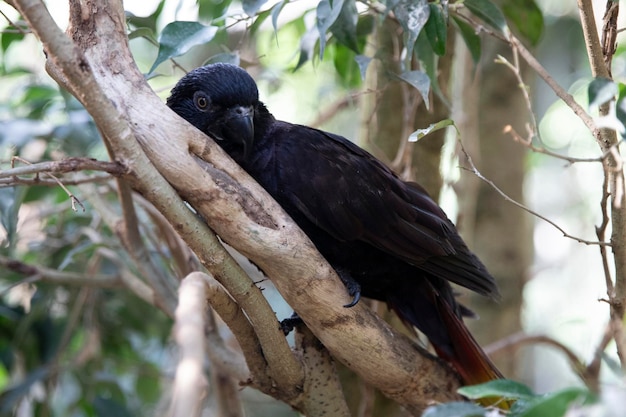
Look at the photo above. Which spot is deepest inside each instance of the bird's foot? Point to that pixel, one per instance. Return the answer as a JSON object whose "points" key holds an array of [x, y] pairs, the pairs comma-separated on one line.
{"points": [[287, 325], [353, 287]]}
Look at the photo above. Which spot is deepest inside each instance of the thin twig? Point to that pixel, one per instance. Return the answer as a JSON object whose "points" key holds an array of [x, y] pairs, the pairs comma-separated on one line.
{"points": [[12, 182], [518, 339], [567, 98], [62, 166], [332, 110], [35, 273], [601, 233], [527, 142], [65, 165], [476, 172]]}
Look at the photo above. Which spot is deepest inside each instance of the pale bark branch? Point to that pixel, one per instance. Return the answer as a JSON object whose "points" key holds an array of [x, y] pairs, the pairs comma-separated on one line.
{"points": [[238, 323], [190, 383], [324, 396]]}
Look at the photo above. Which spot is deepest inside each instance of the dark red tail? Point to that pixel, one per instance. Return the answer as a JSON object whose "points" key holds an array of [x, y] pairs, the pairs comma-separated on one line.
{"points": [[467, 357], [435, 313]]}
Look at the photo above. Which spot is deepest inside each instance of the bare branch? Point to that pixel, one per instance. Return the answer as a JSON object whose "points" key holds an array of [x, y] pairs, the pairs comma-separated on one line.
{"points": [[331, 111], [567, 98], [324, 395], [238, 323], [190, 383], [472, 168], [72, 197], [228, 370], [598, 58], [74, 180], [518, 339], [527, 142], [609, 33], [65, 165]]}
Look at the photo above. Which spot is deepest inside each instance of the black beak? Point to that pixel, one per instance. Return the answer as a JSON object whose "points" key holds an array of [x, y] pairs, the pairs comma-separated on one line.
{"points": [[239, 126]]}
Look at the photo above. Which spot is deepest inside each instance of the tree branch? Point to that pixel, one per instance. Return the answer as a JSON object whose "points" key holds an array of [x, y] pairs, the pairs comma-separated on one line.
{"points": [[66, 165], [607, 140], [190, 383]]}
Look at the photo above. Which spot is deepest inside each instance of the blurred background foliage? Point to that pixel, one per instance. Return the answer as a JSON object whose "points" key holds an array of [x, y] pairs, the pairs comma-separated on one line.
{"points": [[97, 350]]}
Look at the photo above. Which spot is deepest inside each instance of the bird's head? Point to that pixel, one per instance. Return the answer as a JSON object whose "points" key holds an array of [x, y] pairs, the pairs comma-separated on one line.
{"points": [[220, 100]]}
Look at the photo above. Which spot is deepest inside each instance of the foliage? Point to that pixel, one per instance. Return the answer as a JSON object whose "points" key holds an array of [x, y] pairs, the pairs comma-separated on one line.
{"points": [[527, 403]]}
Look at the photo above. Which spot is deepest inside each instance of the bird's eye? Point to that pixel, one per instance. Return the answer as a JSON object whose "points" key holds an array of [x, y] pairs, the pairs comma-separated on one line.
{"points": [[201, 101]]}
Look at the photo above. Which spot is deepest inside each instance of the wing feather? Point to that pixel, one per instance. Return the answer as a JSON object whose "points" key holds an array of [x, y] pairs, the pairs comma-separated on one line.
{"points": [[352, 196]]}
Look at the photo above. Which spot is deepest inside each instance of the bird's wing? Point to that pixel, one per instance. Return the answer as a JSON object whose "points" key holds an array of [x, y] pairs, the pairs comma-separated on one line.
{"points": [[351, 195]]}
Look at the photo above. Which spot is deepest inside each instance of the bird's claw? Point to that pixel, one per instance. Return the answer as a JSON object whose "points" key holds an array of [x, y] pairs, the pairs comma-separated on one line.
{"points": [[354, 289]]}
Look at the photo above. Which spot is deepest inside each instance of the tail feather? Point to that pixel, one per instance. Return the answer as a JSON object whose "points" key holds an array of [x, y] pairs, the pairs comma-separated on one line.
{"points": [[439, 318], [465, 355]]}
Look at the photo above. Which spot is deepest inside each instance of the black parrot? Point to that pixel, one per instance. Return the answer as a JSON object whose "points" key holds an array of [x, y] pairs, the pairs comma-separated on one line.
{"points": [[386, 238]]}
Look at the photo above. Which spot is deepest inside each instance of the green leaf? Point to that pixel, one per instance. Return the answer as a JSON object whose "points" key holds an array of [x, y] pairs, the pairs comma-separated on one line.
{"points": [[620, 113], [210, 10], [106, 407], [327, 14], [344, 28], [179, 37], [148, 22], [557, 404], [258, 21], [600, 91], [141, 33], [346, 66], [251, 7], [471, 39], [419, 134], [455, 409], [148, 385], [420, 81], [412, 16], [437, 29], [276, 9], [9, 35], [307, 46], [527, 18], [363, 62], [13, 395], [428, 63], [365, 25], [10, 201], [504, 388], [489, 13]]}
